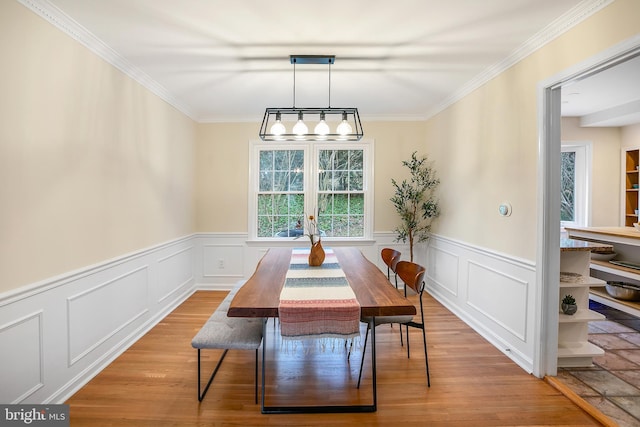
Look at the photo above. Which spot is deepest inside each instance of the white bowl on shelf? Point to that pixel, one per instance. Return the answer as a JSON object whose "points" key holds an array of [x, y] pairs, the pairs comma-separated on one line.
{"points": [[603, 256]]}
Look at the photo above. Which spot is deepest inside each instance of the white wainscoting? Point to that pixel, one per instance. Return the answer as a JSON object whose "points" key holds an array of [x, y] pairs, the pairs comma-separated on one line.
{"points": [[59, 333], [491, 292]]}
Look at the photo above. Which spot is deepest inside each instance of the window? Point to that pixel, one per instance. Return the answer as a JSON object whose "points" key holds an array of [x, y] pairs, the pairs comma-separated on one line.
{"points": [[290, 181], [574, 192]]}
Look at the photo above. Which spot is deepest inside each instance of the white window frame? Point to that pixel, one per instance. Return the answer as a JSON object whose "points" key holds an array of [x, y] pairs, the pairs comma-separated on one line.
{"points": [[311, 151], [582, 150]]}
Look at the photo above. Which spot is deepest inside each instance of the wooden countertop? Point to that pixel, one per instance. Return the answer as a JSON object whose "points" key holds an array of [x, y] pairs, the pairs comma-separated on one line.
{"points": [[609, 231], [583, 245], [626, 235]]}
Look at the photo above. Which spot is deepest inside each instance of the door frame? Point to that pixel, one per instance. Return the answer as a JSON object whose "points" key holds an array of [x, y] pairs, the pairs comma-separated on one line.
{"points": [[548, 206]]}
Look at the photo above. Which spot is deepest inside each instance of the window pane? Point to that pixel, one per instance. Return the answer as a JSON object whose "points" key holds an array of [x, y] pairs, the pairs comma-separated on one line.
{"points": [[265, 204], [340, 181], [568, 186], [356, 226], [297, 181], [340, 226], [325, 204], [356, 204], [355, 160], [324, 180], [341, 160], [355, 181], [265, 226], [266, 181], [266, 160], [325, 162], [297, 160], [280, 181], [281, 160]]}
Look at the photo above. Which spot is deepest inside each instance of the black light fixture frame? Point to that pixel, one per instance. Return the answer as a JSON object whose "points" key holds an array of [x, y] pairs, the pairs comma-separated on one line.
{"points": [[350, 114]]}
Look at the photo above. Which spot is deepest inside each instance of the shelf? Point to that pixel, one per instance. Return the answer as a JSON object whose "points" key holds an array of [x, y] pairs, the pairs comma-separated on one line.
{"points": [[600, 295], [579, 349], [618, 270], [577, 354], [581, 315], [580, 281]]}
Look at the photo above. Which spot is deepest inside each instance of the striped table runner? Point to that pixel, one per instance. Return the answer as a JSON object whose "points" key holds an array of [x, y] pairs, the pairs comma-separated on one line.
{"points": [[317, 302]]}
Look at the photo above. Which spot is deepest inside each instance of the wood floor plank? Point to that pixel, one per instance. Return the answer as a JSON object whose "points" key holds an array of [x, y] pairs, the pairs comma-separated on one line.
{"points": [[472, 383]]}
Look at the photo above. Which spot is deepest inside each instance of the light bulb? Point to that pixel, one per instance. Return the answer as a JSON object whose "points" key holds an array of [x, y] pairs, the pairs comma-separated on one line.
{"points": [[300, 128], [344, 128], [322, 128], [278, 128]]}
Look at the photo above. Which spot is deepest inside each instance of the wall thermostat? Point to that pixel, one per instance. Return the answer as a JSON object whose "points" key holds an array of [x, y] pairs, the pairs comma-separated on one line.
{"points": [[505, 209]]}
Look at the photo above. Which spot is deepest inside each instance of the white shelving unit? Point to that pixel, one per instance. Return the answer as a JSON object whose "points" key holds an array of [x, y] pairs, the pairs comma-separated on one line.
{"points": [[626, 243], [574, 348]]}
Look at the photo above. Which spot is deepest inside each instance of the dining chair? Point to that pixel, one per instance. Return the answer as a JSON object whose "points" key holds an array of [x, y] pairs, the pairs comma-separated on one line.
{"points": [[412, 275], [391, 257]]}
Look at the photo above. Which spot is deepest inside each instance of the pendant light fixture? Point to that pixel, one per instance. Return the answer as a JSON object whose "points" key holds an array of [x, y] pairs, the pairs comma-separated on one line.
{"points": [[277, 121]]}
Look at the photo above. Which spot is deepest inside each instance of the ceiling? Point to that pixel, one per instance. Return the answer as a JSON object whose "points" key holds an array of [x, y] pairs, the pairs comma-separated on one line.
{"points": [[608, 98], [227, 61]]}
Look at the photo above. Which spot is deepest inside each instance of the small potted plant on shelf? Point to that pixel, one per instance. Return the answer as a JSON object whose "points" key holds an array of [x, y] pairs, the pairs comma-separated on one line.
{"points": [[569, 305]]}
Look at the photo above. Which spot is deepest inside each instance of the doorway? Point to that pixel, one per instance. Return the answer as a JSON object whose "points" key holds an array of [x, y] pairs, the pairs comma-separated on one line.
{"points": [[548, 254]]}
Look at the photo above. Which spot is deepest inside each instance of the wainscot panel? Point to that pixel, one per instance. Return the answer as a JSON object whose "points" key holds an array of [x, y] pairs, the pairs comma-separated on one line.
{"points": [[509, 311], [177, 267], [491, 292], [59, 333], [21, 341], [106, 308]]}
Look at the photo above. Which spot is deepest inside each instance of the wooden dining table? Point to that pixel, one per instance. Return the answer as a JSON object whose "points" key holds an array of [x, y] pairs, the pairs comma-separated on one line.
{"points": [[260, 297]]}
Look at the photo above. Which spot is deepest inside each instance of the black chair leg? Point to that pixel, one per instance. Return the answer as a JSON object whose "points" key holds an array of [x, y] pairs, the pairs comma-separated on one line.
{"points": [[364, 349], [426, 359], [407, 328], [256, 377]]}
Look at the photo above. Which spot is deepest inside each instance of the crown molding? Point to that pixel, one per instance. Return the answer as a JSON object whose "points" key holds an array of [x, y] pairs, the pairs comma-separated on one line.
{"points": [[59, 19], [549, 33]]}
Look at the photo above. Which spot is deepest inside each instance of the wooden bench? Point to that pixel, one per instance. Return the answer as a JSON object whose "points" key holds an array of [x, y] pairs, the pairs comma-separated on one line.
{"points": [[225, 333]]}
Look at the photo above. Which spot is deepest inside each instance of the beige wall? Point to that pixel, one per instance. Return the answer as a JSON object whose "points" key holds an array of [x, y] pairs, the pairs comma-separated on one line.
{"points": [[630, 136], [605, 169], [486, 145], [92, 165], [222, 171]]}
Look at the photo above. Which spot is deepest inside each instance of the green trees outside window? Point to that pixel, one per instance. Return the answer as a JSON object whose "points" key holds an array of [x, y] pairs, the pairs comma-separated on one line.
{"points": [[334, 189]]}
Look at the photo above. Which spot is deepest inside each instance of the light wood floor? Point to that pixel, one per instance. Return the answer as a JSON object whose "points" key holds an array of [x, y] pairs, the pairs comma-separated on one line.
{"points": [[472, 383]]}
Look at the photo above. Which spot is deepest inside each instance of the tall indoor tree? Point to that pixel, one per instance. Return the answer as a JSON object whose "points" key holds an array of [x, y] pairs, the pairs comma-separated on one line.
{"points": [[415, 201]]}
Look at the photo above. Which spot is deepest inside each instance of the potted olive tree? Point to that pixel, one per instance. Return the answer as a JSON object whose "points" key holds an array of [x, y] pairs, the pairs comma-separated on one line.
{"points": [[415, 201]]}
